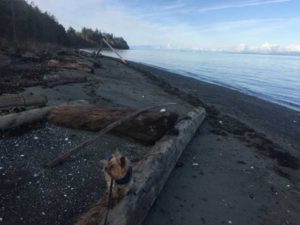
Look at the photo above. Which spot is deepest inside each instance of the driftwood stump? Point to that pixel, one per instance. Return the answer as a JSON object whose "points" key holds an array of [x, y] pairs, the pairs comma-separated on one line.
{"points": [[146, 128]]}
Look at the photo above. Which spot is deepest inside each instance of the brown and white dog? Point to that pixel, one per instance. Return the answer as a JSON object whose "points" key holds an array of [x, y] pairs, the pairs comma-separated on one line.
{"points": [[118, 168]]}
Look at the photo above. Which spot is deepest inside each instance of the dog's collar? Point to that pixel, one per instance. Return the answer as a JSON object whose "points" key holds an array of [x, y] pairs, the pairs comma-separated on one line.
{"points": [[126, 178]]}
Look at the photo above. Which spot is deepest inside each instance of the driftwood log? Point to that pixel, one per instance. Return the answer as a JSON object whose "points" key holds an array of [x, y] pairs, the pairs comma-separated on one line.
{"points": [[64, 78], [75, 66], [62, 158], [23, 118], [149, 177], [146, 128], [22, 100]]}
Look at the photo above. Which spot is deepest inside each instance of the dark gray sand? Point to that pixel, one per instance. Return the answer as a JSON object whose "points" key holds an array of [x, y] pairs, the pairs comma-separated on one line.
{"points": [[242, 166]]}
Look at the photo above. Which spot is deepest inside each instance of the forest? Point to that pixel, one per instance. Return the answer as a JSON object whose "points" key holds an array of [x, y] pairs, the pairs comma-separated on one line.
{"points": [[22, 23]]}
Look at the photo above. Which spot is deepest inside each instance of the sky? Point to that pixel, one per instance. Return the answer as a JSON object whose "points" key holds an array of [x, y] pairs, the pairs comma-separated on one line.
{"points": [[216, 25]]}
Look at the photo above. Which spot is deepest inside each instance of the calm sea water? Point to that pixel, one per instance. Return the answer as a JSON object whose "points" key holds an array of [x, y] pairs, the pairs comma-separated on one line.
{"points": [[275, 78]]}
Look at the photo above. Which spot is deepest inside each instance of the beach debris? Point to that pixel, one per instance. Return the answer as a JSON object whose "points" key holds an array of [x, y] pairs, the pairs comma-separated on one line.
{"points": [[146, 128], [8, 101], [27, 117], [64, 77], [108, 127], [75, 66], [30, 56]]}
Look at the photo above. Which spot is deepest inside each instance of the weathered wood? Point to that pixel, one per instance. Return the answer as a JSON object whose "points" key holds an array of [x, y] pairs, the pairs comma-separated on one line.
{"points": [[145, 128], [108, 128], [121, 58], [27, 117], [24, 100], [149, 176], [61, 78], [74, 66]]}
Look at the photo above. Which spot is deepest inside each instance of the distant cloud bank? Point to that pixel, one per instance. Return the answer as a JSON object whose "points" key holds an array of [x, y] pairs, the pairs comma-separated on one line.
{"points": [[268, 48]]}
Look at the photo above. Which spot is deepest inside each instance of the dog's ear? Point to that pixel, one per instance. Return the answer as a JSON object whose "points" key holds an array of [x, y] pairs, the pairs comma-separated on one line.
{"points": [[122, 161]]}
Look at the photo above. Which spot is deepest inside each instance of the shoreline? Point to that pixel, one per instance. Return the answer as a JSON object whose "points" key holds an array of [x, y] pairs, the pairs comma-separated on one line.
{"points": [[243, 88]]}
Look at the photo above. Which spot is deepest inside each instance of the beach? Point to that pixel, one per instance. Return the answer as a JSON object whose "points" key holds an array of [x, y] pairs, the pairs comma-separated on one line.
{"points": [[242, 166]]}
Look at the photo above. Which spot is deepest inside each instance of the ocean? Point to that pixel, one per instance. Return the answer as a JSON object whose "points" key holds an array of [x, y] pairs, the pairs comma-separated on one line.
{"points": [[274, 78]]}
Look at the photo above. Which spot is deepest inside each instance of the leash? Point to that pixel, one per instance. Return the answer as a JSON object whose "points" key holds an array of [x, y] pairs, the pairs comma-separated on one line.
{"points": [[109, 201]]}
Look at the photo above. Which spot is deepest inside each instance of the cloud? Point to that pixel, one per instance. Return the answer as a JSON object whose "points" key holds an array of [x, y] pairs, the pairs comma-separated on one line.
{"points": [[241, 4], [185, 7], [266, 48]]}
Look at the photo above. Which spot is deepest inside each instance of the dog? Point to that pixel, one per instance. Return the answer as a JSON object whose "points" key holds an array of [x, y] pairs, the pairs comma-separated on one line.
{"points": [[117, 169]]}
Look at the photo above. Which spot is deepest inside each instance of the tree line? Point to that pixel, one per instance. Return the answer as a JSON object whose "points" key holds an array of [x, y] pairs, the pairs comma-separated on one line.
{"points": [[21, 22]]}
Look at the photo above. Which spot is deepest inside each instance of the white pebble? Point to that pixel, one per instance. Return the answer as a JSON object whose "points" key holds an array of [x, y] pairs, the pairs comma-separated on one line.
{"points": [[43, 213], [252, 167], [229, 221], [22, 155], [35, 138], [1, 219], [17, 145], [66, 139], [195, 164], [288, 185], [221, 122], [163, 110], [1, 168], [65, 195]]}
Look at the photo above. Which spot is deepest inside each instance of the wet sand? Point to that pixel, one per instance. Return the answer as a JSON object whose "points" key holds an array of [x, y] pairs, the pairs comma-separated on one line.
{"points": [[242, 166]]}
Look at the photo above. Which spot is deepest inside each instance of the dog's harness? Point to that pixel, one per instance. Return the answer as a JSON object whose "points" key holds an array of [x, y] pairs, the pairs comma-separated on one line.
{"points": [[126, 179]]}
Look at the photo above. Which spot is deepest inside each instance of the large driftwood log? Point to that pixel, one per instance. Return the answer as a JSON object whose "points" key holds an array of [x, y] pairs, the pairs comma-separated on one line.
{"points": [[22, 100], [149, 177], [103, 131], [27, 117], [75, 66], [146, 128]]}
